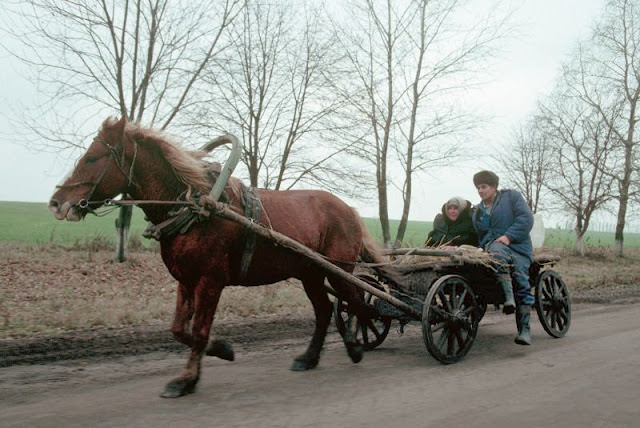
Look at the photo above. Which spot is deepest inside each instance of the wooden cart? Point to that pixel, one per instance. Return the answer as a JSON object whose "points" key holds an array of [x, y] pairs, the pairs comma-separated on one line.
{"points": [[451, 291]]}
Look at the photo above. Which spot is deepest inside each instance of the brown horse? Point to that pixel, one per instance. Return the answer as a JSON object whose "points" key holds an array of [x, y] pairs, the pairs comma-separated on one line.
{"points": [[125, 158]]}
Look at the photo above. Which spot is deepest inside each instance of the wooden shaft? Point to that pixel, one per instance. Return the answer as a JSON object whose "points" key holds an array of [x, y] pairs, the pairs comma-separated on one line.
{"points": [[223, 210]]}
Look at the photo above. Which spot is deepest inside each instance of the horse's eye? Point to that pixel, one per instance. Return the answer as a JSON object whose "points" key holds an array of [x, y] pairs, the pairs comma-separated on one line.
{"points": [[90, 159]]}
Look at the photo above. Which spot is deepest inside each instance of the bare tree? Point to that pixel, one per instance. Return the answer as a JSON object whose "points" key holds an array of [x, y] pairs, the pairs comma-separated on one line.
{"points": [[273, 89], [407, 60], [608, 79], [142, 59], [580, 148], [526, 164]]}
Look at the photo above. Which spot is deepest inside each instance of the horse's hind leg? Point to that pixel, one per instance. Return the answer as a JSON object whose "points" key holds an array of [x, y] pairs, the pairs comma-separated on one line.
{"points": [[206, 298], [355, 300], [182, 315], [314, 287]]}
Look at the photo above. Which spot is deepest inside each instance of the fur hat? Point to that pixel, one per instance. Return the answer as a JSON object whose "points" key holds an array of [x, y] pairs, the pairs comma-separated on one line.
{"points": [[486, 177], [458, 201]]}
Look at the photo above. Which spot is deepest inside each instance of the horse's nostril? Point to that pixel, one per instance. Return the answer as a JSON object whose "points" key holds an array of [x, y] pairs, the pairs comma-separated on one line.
{"points": [[53, 204]]}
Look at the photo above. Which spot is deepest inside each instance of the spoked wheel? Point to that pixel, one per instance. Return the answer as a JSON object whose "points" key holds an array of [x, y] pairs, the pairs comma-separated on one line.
{"points": [[450, 317], [371, 334], [553, 303]]}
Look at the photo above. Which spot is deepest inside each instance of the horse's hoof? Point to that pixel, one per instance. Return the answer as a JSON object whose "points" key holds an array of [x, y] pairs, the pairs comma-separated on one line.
{"points": [[175, 389], [355, 351], [302, 364], [221, 349]]}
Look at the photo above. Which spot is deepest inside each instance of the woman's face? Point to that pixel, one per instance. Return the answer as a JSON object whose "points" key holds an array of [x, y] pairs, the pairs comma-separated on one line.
{"points": [[453, 212]]}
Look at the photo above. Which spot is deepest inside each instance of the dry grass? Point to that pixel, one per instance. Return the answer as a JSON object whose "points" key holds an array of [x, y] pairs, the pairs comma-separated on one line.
{"points": [[600, 268], [47, 289]]}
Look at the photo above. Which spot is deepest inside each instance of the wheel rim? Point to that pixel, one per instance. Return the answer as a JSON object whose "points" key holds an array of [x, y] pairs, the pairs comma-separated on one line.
{"points": [[450, 318], [553, 304]]}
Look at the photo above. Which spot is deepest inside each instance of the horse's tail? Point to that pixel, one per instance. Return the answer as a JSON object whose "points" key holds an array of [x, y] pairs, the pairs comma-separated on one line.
{"points": [[371, 252]]}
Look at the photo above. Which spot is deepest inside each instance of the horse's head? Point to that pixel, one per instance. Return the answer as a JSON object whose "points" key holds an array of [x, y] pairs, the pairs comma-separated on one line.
{"points": [[103, 172]]}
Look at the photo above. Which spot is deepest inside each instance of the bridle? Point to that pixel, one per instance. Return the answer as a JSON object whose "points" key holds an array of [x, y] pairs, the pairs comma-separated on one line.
{"points": [[119, 160]]}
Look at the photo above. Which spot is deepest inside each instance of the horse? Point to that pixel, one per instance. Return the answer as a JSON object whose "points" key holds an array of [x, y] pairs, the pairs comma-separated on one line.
{"points": [[158, 175]]}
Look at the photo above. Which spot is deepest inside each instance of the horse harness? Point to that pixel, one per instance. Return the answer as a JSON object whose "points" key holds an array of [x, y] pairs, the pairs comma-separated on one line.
{"points": [[182, 218]]}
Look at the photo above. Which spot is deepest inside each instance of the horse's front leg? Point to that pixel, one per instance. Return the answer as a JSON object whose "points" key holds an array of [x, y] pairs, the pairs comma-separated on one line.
{"points": [[206, 298]]}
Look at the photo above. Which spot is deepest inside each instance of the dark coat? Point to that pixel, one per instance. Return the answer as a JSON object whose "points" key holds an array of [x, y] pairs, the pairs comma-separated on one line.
{"points": [[510, 216], [459, 232]]}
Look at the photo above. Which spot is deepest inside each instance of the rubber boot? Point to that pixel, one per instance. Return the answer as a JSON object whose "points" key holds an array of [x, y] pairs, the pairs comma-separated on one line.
{"points": [[523, 315], [509, 305]]}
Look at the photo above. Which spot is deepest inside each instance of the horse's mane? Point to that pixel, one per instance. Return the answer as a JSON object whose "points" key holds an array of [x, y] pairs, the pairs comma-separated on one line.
{"points": [[189, 169], [188, 165]]}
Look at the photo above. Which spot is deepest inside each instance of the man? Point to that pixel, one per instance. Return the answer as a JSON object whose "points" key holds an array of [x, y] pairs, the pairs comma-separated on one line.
{"points": [[503, 222]]}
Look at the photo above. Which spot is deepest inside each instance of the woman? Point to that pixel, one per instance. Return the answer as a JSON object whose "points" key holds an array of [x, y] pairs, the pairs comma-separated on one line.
{"points": [[453, 227]]}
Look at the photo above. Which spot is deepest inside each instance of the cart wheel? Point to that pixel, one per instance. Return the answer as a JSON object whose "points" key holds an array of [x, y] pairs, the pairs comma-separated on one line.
{"points": [[553, 303], [450, 317], [371, 334]]}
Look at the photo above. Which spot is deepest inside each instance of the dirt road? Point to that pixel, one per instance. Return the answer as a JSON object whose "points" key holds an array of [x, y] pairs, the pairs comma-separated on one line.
{"points": [[588, 379]]}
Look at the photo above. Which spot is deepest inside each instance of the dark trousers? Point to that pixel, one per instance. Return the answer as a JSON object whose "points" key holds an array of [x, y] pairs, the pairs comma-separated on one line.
{"points": [[513, 265]]}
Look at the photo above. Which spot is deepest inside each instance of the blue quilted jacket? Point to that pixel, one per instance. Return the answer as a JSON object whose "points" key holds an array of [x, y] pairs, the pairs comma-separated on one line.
{"points": [[510, 215]]}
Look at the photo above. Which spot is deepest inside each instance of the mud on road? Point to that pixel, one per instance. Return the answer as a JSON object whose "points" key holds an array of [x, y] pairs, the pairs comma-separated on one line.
{"points": [[107, 343]]}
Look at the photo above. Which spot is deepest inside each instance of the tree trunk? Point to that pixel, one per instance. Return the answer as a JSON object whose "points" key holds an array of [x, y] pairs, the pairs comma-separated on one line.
{"points": [[580, 249], [622, 214], [383, 212], [123, 222]]}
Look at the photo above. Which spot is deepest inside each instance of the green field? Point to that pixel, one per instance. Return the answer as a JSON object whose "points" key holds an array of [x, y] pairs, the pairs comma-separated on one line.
{"points": [[32, 223]]}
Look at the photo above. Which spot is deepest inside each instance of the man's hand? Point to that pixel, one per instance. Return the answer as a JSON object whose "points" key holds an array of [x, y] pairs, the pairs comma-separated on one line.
{"points": [[504, 239]]}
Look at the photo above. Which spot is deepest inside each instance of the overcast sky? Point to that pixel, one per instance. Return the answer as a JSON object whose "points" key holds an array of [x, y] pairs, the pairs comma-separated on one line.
{"points": [[526, 70]]}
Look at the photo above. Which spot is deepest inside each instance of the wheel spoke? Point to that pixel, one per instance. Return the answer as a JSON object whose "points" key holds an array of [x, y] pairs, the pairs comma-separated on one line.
{"points": [[439, 311], [559, 321], [444, 334], [545, 290], [460, 338], [451, 343], [444, 300], [454, 297], [371, 326], [564, 316], [438, 327], [463, 296]]}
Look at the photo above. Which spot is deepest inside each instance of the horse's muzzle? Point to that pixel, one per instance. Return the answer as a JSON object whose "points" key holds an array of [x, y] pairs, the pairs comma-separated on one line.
{"points": [[65, 211]]}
